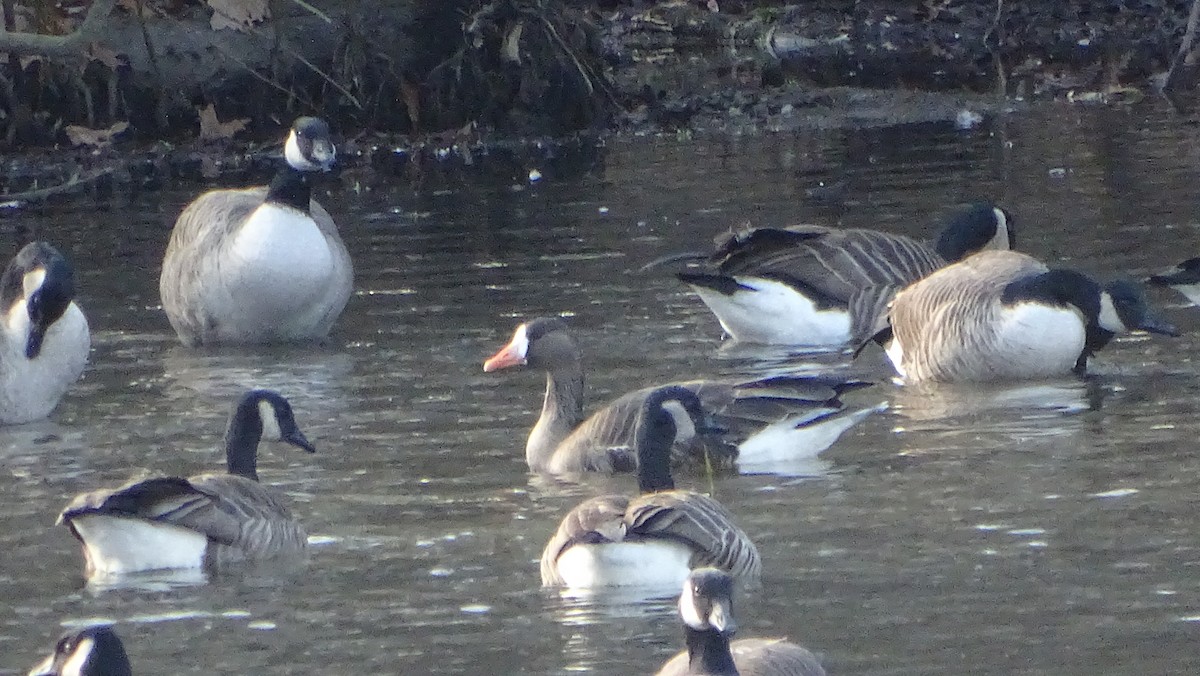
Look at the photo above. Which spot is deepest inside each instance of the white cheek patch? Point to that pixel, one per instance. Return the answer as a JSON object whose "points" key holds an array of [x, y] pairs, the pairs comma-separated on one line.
{"points": [[1000, 241], [33, 280], [1109, 319], [74, 666], [270, 421], [291, 152], [684, 428], [44, 667], [520, 342], [688, 610]]}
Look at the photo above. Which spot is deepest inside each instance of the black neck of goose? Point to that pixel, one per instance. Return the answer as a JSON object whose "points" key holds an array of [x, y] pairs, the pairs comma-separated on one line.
{"points": [[241, 441], [708, 653], [290, 187], [653, 439]]}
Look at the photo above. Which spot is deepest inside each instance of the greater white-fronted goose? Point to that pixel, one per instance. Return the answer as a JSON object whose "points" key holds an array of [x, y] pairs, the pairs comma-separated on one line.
{"points": [[816, 286], [260, 265], [46, 338], [95, 650], [1184, 278], [1003, 315], [652, 540], [706, 607], [203, 521], [761, 421]]}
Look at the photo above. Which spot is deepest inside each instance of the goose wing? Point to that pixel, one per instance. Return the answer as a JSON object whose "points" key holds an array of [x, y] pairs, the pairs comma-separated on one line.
{"points": [[597, 520], [946, 317], [699, 522], [774, 657], [194, 253], [228, 510], [834, 264]]}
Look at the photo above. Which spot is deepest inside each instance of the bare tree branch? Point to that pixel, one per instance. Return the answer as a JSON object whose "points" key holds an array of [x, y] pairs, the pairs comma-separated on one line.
{"points": [[73, 45]]}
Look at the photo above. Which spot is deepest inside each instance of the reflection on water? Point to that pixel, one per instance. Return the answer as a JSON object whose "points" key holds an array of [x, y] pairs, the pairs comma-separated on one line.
{"points": [[1043, 528]]}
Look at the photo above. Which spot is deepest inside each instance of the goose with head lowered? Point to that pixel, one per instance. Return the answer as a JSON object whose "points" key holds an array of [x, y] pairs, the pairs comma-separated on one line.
{"points": [[768, 421], [654, 539], [202, 521], [94, 650], [816, 286], [45, 335], [1184, 278], [1003, 315], [260, 265], [706, 607]]}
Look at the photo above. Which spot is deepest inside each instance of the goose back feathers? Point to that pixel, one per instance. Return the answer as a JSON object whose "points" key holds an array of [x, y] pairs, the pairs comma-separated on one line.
{"points": [[1004, 315], [746, 421], [818, 286], [706, 607], [259, 265], [652, 539], [205, 520], [45, 335]]}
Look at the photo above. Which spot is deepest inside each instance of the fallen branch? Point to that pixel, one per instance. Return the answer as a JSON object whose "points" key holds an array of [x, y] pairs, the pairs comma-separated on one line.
{"points": [[73, 45], [1182, 73], [76, 184]]}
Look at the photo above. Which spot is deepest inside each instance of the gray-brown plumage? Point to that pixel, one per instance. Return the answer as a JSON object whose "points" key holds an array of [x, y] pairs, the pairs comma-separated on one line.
{"points": [[695, 529], [262, 264], [1002, 315], [706, 607], [208, 519], [563, 441], [821, 286]]}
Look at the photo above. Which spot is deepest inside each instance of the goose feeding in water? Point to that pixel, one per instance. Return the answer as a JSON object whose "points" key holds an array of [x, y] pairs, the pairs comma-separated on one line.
{"points": [[204, 520], [767, 421], [260, 265], [816, 286], [1003, 315], [95, 650], [706, 607], [656, 538], [1184, 278], [46, 338]]}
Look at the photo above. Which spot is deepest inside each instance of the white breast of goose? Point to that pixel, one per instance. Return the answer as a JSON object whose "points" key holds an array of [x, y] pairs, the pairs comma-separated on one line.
{"points": [[31, 388], [645, 563], [1035, 340], [772, 312], [281, 255], [117, 545]]}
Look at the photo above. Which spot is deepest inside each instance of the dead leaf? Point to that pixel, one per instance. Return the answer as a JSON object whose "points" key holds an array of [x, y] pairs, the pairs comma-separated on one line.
{"points": [[95, 138], [238, 14], [212, 129]]}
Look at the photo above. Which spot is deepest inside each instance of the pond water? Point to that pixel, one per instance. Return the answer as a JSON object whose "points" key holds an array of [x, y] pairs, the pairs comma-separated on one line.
{"points": [[1041, 529]]}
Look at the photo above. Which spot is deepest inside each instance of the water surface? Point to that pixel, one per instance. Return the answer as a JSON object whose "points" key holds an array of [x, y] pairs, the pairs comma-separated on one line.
{"points": [[1041, 529]]}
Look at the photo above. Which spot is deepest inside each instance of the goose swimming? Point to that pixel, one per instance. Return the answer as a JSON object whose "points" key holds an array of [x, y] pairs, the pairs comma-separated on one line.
{"points": [[260, 265], [94, 650]]}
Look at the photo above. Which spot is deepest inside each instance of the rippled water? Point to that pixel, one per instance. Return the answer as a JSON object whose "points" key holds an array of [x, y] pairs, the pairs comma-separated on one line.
{"points": [[1042, 529]]}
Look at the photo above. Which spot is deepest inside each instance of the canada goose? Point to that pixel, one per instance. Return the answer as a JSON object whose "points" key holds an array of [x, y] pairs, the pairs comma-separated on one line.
{"points": [[1003, 315], [816, 286], [706, 607], [656, 538], [763, 421], [259, 265], [90, 651], [208, 519], [46, 339], [1184, 278]]}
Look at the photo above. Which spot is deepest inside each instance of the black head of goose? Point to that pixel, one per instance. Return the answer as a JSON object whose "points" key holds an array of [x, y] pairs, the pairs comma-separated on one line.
{"points": [[706, 607], [45, 335], [654, 539], [1006, 316], [817, 286], [1184, 278], [91, 651], [765, 420], [204, 520], [260, 265]]}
